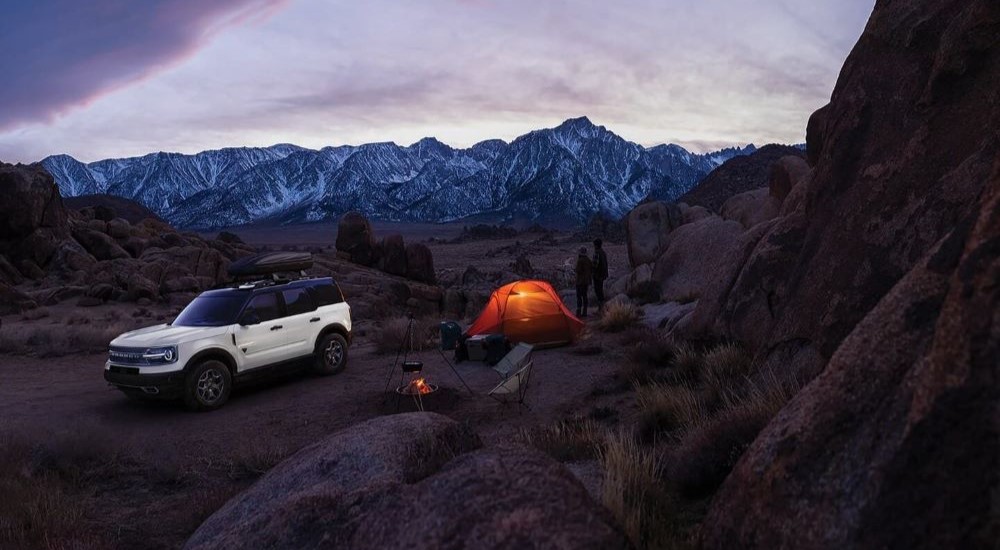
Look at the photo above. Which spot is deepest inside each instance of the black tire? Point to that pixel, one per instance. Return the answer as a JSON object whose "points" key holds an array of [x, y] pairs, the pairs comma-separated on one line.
{"points": [[331, 354], [207, 386]]}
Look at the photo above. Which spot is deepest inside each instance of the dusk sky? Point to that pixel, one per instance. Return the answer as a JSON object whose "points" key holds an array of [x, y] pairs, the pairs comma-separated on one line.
{"points": [[115, 78]]}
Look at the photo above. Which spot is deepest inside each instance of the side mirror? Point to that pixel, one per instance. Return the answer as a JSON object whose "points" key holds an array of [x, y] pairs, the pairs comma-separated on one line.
{"points": [[249, 318]]}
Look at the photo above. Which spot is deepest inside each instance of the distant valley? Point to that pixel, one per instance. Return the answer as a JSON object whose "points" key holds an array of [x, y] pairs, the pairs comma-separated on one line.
{"points": [[561, 175]]}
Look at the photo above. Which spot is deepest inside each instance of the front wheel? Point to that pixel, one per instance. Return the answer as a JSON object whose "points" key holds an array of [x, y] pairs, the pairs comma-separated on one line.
{"points": [[331, 354], [207, 386]]}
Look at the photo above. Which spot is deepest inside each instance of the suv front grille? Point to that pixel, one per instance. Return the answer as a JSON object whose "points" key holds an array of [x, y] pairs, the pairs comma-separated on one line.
{"points": [[129, 356]]}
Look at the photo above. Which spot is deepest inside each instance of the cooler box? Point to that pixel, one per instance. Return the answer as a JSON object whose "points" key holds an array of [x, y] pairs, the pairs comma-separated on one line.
{"points": [[475, 346], [496, 348]]}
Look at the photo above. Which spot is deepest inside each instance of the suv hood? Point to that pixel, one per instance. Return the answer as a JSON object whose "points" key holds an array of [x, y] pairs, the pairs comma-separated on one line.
{"points": [[165, 335]]}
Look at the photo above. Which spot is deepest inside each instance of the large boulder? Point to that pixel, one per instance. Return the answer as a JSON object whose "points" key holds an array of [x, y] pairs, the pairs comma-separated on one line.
{"points": [[393, 256], [751, 207], [785, 174], [909, 402], [420, 263], [192, 260], [692, 254], [13, 300], [99, 245], [29, 200], [410, 480], [647, 227], [889, 280], [356, 238]]}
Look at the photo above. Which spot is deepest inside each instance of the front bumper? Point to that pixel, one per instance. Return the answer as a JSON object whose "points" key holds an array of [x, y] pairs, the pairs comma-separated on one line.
{"points": [[166, 385]]}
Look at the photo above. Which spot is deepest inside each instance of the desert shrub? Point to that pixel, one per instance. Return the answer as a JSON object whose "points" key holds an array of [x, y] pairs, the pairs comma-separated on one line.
{"points": [[566, 441], [252, 457], [688, 364], [650, 360], [646, 292], [45, 487], [707, 454], [390, 335], [632, 492], [603, 413], [668, 410], [53, 340], [619, 316], [725, 371]]}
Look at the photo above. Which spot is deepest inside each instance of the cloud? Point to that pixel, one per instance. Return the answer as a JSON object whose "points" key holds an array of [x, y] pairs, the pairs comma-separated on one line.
{"points": [[62, 54], [327, 72]]}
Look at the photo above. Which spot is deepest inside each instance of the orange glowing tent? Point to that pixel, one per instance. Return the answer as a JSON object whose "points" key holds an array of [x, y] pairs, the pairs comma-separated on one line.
{"points": [[527, 311]]}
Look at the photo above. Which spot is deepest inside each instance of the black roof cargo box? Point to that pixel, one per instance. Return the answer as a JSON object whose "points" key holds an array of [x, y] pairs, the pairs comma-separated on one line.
{"points": [[271, 262]]}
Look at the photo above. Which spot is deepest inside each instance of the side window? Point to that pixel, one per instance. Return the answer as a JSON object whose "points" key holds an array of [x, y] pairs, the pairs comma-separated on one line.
{"points": [[327, 294], [266, 306], [298, 300]]}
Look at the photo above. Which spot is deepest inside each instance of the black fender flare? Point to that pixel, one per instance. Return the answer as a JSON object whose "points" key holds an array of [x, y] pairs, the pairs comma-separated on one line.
{"points": [[332, 327], [220, 354]]}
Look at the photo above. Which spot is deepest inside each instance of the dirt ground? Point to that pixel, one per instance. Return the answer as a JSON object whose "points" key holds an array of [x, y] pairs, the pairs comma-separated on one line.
{"points": [[55, 397]]}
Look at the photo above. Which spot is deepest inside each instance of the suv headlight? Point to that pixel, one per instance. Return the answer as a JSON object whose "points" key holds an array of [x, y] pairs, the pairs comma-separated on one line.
{"points": [[166, 354]]}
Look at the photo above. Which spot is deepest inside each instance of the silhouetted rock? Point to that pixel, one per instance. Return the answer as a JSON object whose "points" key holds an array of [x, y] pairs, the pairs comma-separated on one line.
{"points": [[883, 276], [393, 255], [737, 175], [751, 207], [356, 238], [420, 263], [229, 238], [692, 254], [785, 174], [422, 473], [126, 209], [99, 245]]}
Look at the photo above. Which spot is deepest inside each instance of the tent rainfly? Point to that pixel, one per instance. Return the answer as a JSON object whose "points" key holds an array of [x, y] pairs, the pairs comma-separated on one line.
{"points": [[528, 311]]}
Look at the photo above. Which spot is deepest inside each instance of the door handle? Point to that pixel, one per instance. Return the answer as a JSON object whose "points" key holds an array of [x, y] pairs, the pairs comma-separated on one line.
{"points": [[314, 320], [276, 327]]}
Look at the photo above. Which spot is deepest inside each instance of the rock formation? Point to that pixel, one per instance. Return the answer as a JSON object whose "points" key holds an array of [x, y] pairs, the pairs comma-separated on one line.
{"points": [[737, 175], [880, 275], [92, 254], [416, 480], [356, 243]]}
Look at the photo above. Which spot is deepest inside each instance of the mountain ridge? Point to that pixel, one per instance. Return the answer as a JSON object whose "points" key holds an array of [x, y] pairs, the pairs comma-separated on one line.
{"points": [[566, 173]]}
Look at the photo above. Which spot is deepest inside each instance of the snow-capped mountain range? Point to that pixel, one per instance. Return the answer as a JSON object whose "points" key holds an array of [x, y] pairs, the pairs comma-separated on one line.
{"points": [[558, 175]]}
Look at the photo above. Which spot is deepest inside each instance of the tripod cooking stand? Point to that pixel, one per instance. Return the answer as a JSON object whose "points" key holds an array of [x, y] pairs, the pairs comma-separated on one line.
{"points": [[413, 367]]}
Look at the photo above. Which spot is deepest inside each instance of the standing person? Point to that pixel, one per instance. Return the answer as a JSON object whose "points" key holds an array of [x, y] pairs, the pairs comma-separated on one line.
{"points": [[584, 273], [600, 267]]}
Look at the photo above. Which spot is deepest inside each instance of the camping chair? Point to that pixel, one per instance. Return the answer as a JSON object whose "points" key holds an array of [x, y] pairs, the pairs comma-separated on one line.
{"points": [[515, 368]]}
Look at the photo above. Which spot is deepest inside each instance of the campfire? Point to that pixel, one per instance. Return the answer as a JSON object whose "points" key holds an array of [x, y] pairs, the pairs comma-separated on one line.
{"points": [[417, 386]]}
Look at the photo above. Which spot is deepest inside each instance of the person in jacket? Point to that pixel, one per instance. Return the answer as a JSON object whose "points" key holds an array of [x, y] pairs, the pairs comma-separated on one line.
{"points": [[600, 269], [584, 274]]}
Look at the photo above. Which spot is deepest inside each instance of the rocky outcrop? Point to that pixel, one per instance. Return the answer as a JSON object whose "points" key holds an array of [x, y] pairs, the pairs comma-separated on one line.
{"points": [[93, 254], [647, 227], [882, 271], [692, 254], [108, 207], [411, 480], [356, 243], [751, 207], [737, 175], [909, 402], [356, 239]]}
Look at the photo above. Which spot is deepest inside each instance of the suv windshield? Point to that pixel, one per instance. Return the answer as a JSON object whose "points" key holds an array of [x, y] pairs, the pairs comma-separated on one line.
{"points": [[211, 311]]}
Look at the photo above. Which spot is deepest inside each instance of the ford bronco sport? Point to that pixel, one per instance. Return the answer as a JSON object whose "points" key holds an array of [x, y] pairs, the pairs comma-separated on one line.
{"points": [[231, 334]]}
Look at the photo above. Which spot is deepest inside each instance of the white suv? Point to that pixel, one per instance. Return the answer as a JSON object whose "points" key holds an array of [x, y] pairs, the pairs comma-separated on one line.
{"points": [[231, 335]]}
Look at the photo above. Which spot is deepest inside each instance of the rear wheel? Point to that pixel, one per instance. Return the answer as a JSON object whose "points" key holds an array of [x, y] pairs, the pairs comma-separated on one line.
{"points": [[331, 354], [207, 386]]}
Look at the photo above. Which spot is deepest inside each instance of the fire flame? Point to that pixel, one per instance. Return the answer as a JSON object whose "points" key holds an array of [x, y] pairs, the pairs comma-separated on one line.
{"points": [[418, 386]]}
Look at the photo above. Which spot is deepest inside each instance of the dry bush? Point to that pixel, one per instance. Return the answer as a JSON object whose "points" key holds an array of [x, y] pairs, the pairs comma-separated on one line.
{"points": [[632, 492], [688, 364], [710, 450], [725, 369], [619, 316], [45, 487], [53, 340], [390, 335], [253, 457], [566, 441], [668, 410], [650, 360]]}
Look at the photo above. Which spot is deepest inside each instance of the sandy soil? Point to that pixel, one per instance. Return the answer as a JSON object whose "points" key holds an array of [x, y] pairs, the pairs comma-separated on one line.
{"points": [[47, 397]]}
